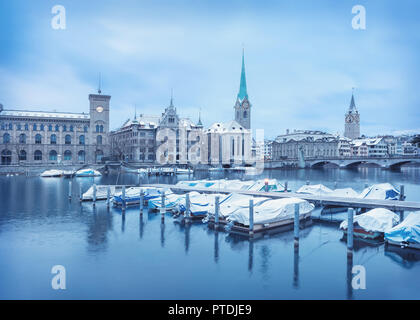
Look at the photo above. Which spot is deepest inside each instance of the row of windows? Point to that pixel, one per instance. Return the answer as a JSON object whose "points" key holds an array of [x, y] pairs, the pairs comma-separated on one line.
{"points": [[42, 127], [7, 154], [53, 139]]}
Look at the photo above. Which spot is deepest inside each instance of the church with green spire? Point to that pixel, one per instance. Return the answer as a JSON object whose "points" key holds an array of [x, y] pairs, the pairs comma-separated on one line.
{"points": [[243, 106]]}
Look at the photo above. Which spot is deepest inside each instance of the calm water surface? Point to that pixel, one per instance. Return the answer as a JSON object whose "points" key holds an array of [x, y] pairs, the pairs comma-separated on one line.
{"points": [[108, 255]]}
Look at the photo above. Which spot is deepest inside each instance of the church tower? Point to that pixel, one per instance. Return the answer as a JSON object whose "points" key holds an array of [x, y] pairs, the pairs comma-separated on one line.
{"points": [[352, 121], [242, 105]]}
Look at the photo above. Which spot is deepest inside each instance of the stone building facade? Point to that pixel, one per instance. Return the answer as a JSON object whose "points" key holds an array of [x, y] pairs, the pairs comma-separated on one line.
{"points": [[43, 137]]}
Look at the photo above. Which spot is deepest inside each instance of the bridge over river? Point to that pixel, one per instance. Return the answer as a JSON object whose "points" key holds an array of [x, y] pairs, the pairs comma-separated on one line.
{"points": [[344, 162]]}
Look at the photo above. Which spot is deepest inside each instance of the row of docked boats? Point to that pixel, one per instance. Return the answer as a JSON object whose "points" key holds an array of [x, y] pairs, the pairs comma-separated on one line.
{"points": [[164, 171], [69, 173], [268, 213]]}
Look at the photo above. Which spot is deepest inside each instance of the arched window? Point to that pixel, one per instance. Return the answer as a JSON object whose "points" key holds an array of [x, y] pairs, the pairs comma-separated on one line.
{"points": [[22, 155], [67, 155], [57, 128], [38, 155], [6, 138], [245, 114], [97, 128], [81, 156], [99, 140], [67, 139], [82, 139], [6, 157], [22, 138], [10, 126], [19, 126], [101, 128], [98, 155], [26, 127], [53, 139], [34, 127], [53, 155], [50, 127], [38, 139], [64, 128], [71, 128], [42, 127]]}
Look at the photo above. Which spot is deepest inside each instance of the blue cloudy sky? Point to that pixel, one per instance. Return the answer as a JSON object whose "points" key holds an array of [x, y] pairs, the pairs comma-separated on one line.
{"points": [[302, 59]]}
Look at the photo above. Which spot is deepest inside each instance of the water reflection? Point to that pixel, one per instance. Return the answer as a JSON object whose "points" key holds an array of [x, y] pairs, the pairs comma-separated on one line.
{"points": [[216, 246], [405, 257], [349, 273], [162, 233], [296, 267], [99, 225], [250, 255]]}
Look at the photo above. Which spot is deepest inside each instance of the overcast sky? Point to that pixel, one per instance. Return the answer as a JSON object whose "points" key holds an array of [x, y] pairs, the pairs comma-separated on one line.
{"points": [[302, 59]]}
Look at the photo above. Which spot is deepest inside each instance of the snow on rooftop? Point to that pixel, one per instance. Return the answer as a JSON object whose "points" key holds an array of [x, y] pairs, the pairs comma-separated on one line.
{"points": [[44, 114]]}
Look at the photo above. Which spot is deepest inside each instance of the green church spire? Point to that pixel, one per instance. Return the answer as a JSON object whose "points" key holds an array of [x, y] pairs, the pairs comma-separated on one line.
{"points": [[242, 87]]}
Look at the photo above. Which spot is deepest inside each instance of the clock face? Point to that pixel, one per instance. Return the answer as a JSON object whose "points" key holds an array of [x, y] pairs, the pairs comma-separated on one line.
{"points": [[99, 108]]}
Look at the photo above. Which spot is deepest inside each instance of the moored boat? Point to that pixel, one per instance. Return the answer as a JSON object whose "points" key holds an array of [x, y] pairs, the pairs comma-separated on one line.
{"points": [[52, 173]]}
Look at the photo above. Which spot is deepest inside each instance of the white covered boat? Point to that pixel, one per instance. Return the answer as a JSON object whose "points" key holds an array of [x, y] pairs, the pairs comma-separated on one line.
{"points": [[373, 223], [407, 233], [132, 195], [315, 189], [382, 191], [52, 173], [101, 192], [87, 173]]}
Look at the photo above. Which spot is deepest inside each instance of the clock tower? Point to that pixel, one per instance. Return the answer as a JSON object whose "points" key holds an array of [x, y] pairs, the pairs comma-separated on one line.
{"points": [[99, 125], [352, 121], [243, 106]]}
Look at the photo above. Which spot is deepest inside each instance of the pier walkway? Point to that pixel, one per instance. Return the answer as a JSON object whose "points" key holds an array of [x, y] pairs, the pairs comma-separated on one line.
{"points": [[393, 205]]}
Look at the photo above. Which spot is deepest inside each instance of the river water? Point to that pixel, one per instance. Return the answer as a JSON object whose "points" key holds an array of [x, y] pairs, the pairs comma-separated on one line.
{"points": [[108, 255]]}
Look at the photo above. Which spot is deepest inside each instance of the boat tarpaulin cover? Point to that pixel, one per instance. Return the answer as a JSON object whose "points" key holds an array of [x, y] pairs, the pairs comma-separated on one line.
{"points": [[408, 230], [382, 191], [344, 193], [375, 220], [271, 211], [315, 189]]}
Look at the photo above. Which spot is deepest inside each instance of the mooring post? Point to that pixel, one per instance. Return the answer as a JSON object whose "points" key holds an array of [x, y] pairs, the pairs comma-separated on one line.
{"points": [[296, 224], [94, 194], [141, 201], [70, 189], [402, 193], [350, 229], [251, 217], [108, 196], [123, 198], [217, 212], [162, 208], [187, 207], [285, 186]]}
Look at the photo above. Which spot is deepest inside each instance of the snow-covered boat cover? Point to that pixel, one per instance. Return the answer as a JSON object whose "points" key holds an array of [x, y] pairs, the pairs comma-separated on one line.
{"points": [[271, 211], [375, 220], [315, 189], [234, 201], [382, 191], [344, 193], [408, 230], [52, 173], [88, 173]]}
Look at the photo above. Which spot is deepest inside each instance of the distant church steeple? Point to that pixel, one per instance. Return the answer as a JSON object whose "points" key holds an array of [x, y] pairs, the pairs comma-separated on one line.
{"points": [[352, 120], [242, 105]]}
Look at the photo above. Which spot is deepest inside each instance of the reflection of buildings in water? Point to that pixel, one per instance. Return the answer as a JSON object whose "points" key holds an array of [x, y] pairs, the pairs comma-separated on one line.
{"points": [[265, 254], [187, 228], [122, 221], [141, 225], [162, 233], [250, 255], [99, 224], [296, 267]]}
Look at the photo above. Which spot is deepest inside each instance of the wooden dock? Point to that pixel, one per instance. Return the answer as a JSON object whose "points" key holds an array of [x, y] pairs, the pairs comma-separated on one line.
{"points": [[393, 205]]}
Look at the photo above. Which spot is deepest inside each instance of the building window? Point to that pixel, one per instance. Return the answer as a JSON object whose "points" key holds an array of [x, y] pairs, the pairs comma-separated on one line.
{"points": [[53, 139], [38, 139], [67, 139], [81, 156], [53, 155], [151, 157], [22, 138], [97, 128], [26, 127], [6, 138], [245, 114], [82, 139], [10, 126], [2, 126], [50, 127], [22, 155], [42, 127], [86, 128], [19, 126], [67, 155], [57, 128], [6, 157], [98, 155], [34, 127], [99, 140], [71, 128], [38, 155]]}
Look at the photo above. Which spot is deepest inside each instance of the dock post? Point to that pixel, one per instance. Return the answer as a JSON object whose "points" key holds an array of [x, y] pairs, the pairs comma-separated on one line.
{"points": [[108, 196], [187, 208], [296, 225], [70, 190], [217, 211], [162, 207], [80, 193], [402, 193], [251, 217], [141, 201], [350, 229], [307, 182], [285, 186], [123, 198], [94, 194]]}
